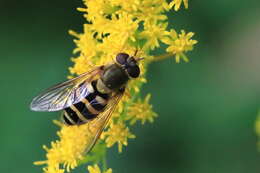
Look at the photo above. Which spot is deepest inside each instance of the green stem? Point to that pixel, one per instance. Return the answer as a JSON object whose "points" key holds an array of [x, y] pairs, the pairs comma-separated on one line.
{"points": [[104, 163], [162, 57], [184, 57]]}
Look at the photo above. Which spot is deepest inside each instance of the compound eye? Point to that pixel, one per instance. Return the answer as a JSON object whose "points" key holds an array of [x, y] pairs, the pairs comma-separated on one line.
{"points": [[121, 58], [133, 71]]}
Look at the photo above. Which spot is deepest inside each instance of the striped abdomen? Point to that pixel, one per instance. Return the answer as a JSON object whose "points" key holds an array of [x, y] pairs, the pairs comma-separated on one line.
{"points": [[88, 108]]}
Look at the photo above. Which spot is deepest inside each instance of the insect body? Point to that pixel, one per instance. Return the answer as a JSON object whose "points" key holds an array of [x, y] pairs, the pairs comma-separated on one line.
{"points": [[91, 97], [88, 108]]}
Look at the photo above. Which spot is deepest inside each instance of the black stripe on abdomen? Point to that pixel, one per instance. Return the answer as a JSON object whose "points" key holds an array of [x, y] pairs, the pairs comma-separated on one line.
{"points": [[66, 120], [85, 111], [90, 107], [98, 106], [72, 115]]}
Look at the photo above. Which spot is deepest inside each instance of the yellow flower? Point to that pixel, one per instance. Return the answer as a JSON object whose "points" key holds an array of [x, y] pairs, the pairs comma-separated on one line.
{"points": [[177, 4], [96, 9], [141, 110], [96, 169], [179, 44], [123, 26], [117, 133], [129, 6], [151, 11], [68, 150], [153, 33], [86, 44]]}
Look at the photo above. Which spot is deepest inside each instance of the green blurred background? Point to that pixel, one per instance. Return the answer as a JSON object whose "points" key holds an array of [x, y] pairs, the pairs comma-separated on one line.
{"points": [[207, 107]]}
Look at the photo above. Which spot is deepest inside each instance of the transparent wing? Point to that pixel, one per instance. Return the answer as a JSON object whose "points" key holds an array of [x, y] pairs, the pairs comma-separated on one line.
{"points": [[64, 94], [96, 126]]}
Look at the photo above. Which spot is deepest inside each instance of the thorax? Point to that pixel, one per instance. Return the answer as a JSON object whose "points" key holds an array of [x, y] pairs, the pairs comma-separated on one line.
{"points": [[114, 77]]}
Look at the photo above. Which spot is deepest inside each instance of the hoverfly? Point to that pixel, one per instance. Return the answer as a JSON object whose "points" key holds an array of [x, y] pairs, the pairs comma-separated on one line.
{"points": [[91, 97]]}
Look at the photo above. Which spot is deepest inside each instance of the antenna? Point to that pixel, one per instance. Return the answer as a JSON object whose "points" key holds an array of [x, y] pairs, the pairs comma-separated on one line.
{"points": [[136, 52]]}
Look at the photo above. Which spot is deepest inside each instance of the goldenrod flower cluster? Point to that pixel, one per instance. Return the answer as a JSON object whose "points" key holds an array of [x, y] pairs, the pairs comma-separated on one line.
{"points": [[179, 44], [117, 133], [141, 110], [114, 26]]}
